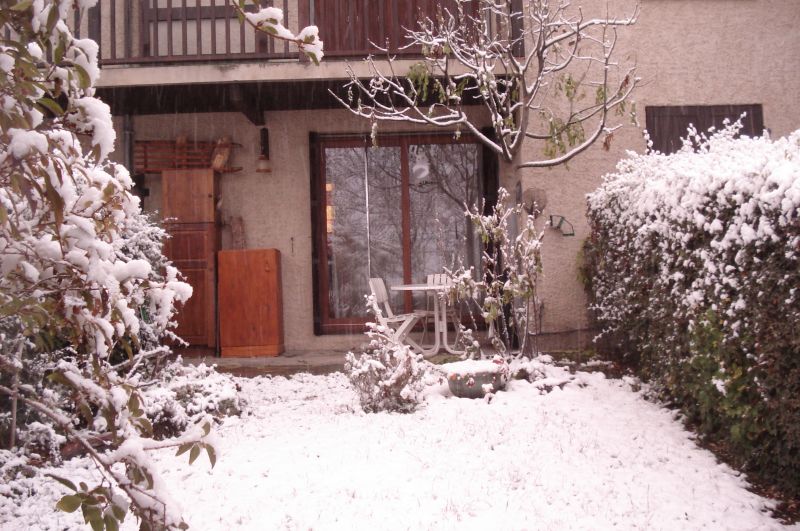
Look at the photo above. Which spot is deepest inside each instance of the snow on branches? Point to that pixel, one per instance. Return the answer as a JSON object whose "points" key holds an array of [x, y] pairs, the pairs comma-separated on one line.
{"points": [[541, 69], [269, 20], [512, 270], [86, 298]]}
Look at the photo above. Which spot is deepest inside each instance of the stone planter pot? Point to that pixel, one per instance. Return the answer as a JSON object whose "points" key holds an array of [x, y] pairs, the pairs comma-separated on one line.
{"points": [[474, 379]]}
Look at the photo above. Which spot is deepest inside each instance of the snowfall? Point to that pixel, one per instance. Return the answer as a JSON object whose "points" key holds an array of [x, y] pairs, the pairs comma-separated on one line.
{"points": [[569, 451]]}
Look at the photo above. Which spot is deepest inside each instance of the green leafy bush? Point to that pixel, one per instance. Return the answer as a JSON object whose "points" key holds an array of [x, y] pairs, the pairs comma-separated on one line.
{"points": [[693, 267]]}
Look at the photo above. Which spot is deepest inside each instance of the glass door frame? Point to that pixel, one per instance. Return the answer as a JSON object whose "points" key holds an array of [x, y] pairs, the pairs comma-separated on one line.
{"points": [[323, 323]]}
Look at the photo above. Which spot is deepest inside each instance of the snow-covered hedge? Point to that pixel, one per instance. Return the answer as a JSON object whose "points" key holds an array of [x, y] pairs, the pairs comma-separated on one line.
{"points": [[693, 266]]}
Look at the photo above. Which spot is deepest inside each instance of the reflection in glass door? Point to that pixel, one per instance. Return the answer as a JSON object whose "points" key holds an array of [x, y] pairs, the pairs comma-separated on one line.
{"points": [[442, 184], [347, 231]]}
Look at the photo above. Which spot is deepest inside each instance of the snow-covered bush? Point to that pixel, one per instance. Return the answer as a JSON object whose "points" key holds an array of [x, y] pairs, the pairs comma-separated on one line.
{"points": [[185, 394], [143, 239], [542, 372], [70, 295], [42, 440], [694, 270], [388, 376], [86, 297]]}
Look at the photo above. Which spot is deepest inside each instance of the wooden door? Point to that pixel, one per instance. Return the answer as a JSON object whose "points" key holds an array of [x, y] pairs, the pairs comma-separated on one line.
{"points": [[250, 302], [188, 207], [189, 196]]}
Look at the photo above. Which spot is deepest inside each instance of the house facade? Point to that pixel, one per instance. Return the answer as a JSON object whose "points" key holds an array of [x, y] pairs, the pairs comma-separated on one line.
{"points": [[180, 77]]}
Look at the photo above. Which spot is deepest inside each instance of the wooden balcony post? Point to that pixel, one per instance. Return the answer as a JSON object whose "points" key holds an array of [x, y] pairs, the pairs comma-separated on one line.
{"points": [[95, 24], [127, 27], [144, 29], [112, 29], [304, 18]]}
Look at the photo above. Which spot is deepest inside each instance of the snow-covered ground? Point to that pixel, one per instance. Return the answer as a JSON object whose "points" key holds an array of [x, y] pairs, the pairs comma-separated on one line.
{"points": [[593, 455]]}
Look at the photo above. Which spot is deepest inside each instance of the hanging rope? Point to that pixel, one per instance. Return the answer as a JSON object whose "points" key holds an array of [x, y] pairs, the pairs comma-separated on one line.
{"points": [[366, 204]]}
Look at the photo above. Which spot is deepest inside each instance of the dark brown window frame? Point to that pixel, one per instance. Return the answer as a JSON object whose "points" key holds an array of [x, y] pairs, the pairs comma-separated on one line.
{"points": [[487, 168]]}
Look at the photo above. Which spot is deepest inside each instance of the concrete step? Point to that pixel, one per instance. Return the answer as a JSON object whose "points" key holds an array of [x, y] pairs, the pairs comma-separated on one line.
{"points": [[288, 363]]}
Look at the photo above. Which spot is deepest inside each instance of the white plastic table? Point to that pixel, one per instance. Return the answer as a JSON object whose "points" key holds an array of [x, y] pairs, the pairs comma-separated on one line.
{"points": [[439, 317]]}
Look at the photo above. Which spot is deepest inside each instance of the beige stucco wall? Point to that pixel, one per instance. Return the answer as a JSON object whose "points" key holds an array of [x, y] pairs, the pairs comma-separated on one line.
{"points": [[688, 52]]}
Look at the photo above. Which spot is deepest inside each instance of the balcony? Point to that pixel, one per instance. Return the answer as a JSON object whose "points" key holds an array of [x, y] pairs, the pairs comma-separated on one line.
{"points": [[192, 56], [139, 32]]}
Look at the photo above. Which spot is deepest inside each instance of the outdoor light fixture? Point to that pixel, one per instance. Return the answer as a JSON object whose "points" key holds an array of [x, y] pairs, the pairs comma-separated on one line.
{"points": [[262, 164], [561, 223]]}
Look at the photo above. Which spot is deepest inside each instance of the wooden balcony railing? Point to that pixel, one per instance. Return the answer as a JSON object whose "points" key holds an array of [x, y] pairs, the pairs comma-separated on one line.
{"points": [[352, 28], [175, 31]]}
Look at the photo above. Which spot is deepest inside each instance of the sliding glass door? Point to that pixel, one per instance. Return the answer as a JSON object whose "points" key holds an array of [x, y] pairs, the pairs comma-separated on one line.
{"points": [[394, 211]]}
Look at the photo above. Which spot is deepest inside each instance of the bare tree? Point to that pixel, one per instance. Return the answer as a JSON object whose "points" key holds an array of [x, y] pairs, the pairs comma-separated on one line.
{"points": [[541, 69]]}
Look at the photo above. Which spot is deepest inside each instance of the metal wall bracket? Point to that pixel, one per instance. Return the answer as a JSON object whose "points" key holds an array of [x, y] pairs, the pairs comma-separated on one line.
{"points": [[560, 223]]}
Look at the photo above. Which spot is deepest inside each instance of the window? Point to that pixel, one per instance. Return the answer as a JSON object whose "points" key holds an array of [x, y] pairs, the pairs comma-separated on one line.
{"points": [[667, 125], [394, 211]]}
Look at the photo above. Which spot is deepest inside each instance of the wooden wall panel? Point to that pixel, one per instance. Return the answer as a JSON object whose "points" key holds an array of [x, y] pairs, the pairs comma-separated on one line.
{"points": [[192, 320]]}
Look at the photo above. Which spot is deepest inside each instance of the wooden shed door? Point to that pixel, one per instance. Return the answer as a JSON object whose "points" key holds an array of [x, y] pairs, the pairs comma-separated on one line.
{"points": [[189, 198], [250, 303]]}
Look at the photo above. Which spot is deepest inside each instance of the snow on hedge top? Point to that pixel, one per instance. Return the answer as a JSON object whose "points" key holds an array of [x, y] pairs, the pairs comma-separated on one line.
{"points": [[734, 195], [750, 175]]}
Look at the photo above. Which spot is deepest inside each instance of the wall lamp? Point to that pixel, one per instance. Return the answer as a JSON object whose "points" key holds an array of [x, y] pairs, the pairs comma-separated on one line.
{"points": [[262, 164], [561, 223]]}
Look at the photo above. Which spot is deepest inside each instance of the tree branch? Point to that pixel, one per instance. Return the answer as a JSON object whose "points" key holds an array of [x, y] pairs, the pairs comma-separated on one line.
{"points": [[466, 59]]}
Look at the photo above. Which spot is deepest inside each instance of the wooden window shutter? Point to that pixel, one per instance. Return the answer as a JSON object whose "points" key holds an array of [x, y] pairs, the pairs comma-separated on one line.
{"points": [[668, 124]]}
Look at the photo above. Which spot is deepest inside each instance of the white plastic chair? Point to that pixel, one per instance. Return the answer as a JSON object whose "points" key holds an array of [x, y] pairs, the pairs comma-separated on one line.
{"points": [[440, 279], [402, 324]]}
